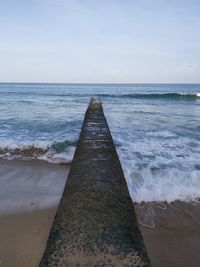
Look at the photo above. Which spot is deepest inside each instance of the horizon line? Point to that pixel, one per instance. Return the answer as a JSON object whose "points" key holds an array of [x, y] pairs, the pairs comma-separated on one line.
{"points": [[106, 83]]}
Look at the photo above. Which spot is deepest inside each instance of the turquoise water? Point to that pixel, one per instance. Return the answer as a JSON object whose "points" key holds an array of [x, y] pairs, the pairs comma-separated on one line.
{"points": [[156, 129]]}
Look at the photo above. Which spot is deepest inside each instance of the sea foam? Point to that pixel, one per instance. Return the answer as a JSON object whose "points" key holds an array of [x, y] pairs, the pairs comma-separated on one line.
{"points": [[156, 129], [43, 150]]}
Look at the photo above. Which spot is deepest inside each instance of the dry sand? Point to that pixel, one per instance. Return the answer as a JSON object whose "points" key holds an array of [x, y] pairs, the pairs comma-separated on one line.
{"points": [[171, 233], [29, 195]]}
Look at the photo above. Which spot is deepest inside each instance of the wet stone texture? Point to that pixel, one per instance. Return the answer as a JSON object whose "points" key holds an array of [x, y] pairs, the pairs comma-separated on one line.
{"points": [[95, 224]]}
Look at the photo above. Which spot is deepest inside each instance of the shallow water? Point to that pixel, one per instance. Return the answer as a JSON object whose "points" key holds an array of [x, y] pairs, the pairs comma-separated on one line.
{"points": [[171, 233], [156, 129]]}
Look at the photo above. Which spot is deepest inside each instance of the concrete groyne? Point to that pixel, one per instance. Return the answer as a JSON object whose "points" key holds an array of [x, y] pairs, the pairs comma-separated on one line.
{"points": [[95, 224]]}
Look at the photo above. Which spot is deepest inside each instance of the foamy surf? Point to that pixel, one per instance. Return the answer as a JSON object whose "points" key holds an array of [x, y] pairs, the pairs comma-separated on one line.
{"points": [[54, 152], [181, 96], [156, 129], [162, 167]]}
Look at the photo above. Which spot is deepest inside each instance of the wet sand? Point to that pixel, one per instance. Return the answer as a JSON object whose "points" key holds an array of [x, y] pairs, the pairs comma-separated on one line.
{"points": [[29, 195], [171, 233]]}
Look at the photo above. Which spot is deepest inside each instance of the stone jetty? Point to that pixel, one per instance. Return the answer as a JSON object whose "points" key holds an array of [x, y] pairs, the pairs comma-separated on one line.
{"points": [[95, 224]]}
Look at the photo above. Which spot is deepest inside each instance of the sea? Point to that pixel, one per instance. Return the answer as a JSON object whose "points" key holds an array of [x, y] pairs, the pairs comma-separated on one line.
{"points": [[155, 127]]}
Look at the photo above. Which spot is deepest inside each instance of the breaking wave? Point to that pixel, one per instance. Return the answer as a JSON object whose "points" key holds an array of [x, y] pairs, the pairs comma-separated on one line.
{"points": [[170, 96], [55, 152]]}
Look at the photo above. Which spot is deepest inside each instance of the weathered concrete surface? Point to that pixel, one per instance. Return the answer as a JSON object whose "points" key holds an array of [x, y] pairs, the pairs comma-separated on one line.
{"points": [[95, 224]]}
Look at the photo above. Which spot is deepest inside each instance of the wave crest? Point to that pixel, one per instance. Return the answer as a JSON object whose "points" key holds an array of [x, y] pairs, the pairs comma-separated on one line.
{"points": [[172, 96], [55, 152]]}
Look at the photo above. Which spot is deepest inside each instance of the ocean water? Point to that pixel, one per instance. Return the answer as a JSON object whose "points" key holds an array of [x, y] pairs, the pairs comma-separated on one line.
{"points": [[156, 129]]}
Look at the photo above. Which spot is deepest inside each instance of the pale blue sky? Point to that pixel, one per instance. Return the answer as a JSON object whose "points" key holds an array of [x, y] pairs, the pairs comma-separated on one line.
{"points": [[121, 41]]}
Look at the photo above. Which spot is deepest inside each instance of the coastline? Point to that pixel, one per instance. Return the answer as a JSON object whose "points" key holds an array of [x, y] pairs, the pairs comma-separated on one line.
{"points": [[171, 232], [30, 192]]}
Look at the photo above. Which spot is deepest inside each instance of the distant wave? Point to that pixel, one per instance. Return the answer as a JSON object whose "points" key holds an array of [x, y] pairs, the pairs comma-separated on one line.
{"points": [[172, 96], [57, 152], [64, 96]]}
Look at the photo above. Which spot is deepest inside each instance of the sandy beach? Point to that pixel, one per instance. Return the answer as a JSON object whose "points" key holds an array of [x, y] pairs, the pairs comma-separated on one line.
{"points": [[171, 233], [29, 195]]}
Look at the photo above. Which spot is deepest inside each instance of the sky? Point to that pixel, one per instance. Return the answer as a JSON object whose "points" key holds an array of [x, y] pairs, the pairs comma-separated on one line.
{"points": [[100, 41]]}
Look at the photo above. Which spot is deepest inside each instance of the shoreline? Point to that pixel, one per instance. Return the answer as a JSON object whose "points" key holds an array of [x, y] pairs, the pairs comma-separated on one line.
{"points": [[30, 192], [171, 232]]}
